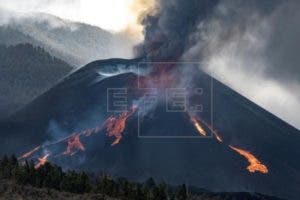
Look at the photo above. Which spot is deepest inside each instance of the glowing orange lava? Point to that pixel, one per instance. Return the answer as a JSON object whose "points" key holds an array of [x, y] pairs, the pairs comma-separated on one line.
{"points": [[42, 161], [116, 125], [26, 155], [217, 136], [254, 164], [74, 144], [197, 125]]}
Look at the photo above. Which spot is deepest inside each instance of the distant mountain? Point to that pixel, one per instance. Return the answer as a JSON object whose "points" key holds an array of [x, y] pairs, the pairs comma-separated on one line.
{"points": [[26, 72], [75, 43]]}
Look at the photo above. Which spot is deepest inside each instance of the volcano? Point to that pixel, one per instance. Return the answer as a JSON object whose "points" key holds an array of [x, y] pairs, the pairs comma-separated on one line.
{"points": [[225, 143]]}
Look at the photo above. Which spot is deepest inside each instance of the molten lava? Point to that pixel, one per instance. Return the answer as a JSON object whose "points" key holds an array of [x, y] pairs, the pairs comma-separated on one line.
{"points": [[218, 137], [197, 125], [116, 125], [28, 154], [213, 131], [74, 145], [41, 161], [254, 163], [254, 166]]}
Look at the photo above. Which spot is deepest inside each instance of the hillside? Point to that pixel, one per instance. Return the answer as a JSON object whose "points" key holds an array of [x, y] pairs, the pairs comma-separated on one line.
{"points": [[26, 72], [73, 42]]}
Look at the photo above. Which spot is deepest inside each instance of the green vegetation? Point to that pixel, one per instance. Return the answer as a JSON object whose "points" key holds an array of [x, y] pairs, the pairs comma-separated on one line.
{"points": [[53, 177], [26, 72]]}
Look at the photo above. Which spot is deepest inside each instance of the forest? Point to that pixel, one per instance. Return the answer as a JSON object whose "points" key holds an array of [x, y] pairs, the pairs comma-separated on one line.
{"points": [[51, 176]]}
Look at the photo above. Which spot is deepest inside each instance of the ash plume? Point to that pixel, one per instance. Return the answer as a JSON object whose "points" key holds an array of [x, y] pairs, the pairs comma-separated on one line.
{"points": [[167, 30], [248, 45]]}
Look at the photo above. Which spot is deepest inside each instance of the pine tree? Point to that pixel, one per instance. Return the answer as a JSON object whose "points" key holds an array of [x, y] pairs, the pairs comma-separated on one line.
{"points": [[140, 193], [181, 193], [162, 192]]}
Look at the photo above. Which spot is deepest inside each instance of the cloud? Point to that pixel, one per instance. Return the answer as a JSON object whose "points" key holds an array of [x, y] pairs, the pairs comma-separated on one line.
{"points": [[112, 15], [40, 5]]}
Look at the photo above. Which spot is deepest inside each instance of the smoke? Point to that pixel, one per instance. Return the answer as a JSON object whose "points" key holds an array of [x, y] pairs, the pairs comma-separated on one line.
{"points": [[168, 29], [138, 9], [250, 46], [251, 49]]}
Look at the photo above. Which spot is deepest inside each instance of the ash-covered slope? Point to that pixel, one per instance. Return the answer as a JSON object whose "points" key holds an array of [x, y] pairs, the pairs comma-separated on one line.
{"points": [[248, 149]]}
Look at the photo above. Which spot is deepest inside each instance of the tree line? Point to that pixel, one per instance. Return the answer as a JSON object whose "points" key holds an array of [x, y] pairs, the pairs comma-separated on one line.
{"points": [[53, 177]]}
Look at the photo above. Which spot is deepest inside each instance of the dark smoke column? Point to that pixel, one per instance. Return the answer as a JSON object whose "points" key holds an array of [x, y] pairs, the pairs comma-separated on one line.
{"points": [[167, 32]]}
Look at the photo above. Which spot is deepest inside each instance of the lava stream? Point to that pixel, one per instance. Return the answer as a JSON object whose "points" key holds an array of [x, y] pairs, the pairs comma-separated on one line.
{"points": [[214, 132], [197, 125], [28, 154], [41, 161], [74, 144], [254, 166], [116, 125], [254, 163], [218, 137]]}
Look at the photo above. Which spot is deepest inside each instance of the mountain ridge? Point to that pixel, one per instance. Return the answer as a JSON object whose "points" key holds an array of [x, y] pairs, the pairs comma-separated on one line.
{"points": [[33, 72], [74, 42]]}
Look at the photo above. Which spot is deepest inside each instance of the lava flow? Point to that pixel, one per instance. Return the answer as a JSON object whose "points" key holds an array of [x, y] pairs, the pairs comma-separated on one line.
{"points": [[197, 125], [26, 155], [41, 161], [218, 137], [116, 125], [74, 145], [254, 163], [213, 131], [254, 166]]}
